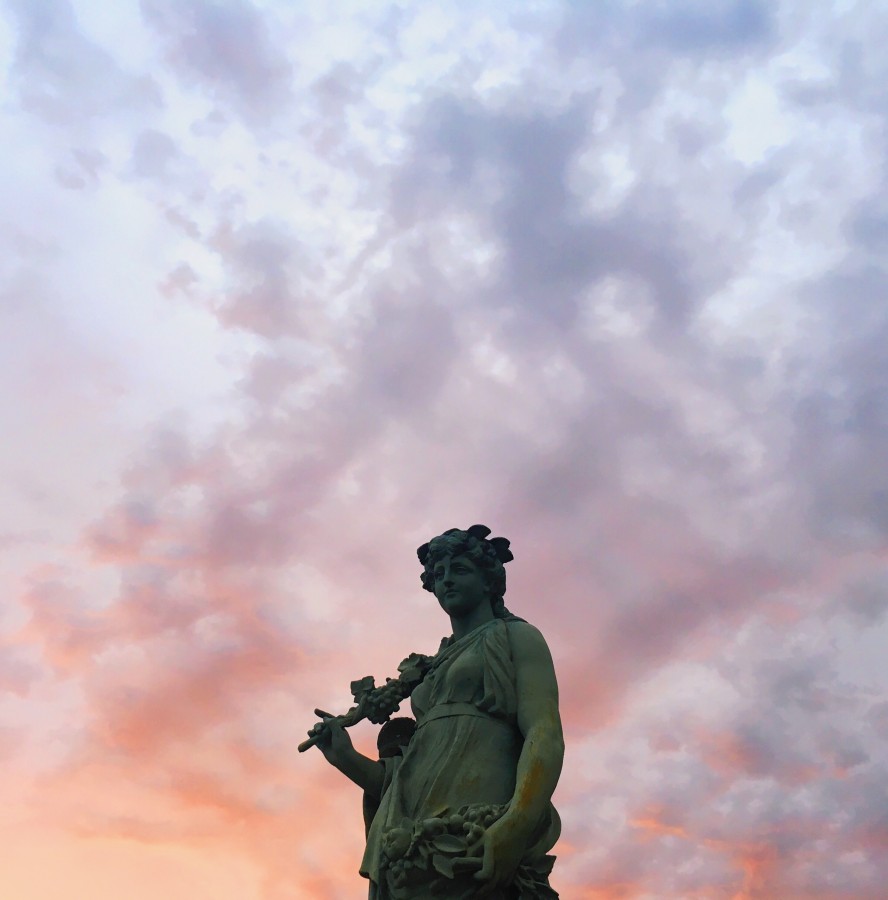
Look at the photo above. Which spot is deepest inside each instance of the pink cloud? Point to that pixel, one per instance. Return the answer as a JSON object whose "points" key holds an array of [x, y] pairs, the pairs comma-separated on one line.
{"points": [[440, 288]]}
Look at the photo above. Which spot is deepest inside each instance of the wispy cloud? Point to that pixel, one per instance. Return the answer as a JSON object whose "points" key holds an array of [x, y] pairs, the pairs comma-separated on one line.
{"points": [[294, 290]]}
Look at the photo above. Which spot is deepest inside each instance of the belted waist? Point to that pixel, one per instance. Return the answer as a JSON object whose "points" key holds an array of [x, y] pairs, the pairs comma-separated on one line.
{"points": [[445, 710]]}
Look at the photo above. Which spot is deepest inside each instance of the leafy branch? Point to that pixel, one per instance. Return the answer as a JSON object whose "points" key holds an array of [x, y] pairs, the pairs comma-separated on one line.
{"points": [[377, 704]]}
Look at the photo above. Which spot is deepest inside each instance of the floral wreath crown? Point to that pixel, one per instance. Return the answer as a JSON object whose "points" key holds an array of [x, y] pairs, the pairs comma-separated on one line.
{"points": [[497, 547]]}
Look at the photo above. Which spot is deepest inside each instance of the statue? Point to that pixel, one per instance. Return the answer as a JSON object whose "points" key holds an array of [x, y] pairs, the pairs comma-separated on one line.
{"points": [[460, 807]]}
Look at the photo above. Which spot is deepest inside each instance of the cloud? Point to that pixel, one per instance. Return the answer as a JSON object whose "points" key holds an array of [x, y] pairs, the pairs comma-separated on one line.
{"points": [[17, 673], [552, 275], [693, 27], [152, 154], [262, 258], [64, 77], [229, 51]]}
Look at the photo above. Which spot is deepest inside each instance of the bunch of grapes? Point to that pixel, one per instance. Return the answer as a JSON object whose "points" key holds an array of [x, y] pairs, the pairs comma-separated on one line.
{"points": [[483, 815], [398, 873], [468, 825], [475, 819], [378, 704], [381, 702]]}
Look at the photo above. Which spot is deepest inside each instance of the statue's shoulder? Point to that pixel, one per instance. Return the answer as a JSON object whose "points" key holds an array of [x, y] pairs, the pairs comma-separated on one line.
{"points": [[524, 636]]}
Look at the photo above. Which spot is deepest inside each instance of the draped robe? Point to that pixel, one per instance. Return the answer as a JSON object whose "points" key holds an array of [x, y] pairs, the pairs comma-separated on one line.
{"points": [[463, 756]]}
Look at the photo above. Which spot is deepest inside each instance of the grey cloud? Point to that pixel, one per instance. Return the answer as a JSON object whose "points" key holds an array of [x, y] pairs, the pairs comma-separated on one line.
{"points": [[766, 749], [762, 778], [341, 87], [228, 49], [64, 77], [125, 530], [656, 33], [842, 409], [268, 295], [405, 354], [82, 169], [846, 749], [153, 152], [866, 598], [699, 27], [759, 180], [511, 168], [877, 719], [237, 533], [869, 227]]}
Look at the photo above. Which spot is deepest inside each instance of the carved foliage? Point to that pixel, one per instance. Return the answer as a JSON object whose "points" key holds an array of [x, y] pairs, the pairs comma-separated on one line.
{"points": [[435, 854]]}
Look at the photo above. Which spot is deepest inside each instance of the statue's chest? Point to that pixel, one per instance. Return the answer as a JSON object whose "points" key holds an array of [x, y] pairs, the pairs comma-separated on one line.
{"points": [[458, 680]]}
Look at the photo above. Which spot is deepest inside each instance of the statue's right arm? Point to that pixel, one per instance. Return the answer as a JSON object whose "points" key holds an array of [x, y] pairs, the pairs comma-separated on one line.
{"points": [[339, 751]]}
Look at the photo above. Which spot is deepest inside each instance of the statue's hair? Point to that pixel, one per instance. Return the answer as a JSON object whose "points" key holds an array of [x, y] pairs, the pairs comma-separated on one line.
{"points": [[488, 554], [393, 734]]}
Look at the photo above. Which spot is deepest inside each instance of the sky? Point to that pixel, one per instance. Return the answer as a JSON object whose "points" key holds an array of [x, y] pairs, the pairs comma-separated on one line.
{"points": [[288, 288]]}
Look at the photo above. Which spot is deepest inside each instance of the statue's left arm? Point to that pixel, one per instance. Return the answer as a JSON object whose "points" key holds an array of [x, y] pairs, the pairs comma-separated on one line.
{"points": [[539, 764]]}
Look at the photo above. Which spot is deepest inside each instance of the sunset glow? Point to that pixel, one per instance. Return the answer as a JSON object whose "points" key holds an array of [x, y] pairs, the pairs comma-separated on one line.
{"points": [[288, 288]]}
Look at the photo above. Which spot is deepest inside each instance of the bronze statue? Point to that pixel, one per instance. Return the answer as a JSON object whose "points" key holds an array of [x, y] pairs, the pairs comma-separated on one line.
{"points": [[464, 809]]}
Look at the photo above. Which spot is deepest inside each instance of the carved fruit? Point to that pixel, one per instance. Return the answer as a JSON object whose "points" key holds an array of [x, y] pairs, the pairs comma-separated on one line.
{"points": [[433, 826], [395, 843]]}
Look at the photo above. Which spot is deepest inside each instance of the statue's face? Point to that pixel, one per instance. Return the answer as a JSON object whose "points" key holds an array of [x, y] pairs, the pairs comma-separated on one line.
{"points": [[460, 585]]}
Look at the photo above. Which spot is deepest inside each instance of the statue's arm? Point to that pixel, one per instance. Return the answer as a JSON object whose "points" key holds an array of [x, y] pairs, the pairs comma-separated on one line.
{"points": [[539, 765], [339, 751], [539, 721]]}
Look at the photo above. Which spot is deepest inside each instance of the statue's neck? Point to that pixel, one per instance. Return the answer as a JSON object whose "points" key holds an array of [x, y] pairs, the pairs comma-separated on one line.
{"points": [[463, 625]]}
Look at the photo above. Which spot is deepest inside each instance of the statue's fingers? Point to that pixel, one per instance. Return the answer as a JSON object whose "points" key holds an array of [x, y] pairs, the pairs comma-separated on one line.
{"points": [[486, 871], [323, 715], [475, 851], [468, 863]]}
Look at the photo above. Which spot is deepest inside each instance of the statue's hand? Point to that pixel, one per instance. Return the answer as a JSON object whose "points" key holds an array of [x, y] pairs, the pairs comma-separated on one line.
{"points": [[333, 741], [501, 848]]}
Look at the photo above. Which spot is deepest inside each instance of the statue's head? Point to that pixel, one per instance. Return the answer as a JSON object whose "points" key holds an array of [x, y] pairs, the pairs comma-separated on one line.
{"points": [[394, 736], [488, 556]]}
